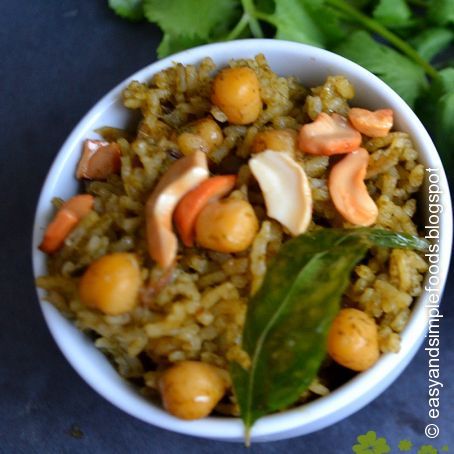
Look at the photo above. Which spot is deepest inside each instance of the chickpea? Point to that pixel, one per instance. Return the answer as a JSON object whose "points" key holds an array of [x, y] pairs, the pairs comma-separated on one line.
{"points": [[236, 91], [191, 389], [203, 135], [189, 143], [353, 340], [226, 225], [209, 130], [276, 140], [111, 283]]}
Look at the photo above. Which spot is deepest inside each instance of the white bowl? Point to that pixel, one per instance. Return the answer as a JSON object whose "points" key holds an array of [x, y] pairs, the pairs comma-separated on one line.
{"points": [[312, 66]]}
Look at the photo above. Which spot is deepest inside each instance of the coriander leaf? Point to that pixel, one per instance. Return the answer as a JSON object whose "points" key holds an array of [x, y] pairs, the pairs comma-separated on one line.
{"points": [[190, 18], [266, 6], [360, 4], [392, 12], [443, 129], [441, 12], [327, 21], [129, 9], [432, 41], [442, 115], [445, 82], [427, 103], [293, 22], [171, 44], [435, 109], [400, 73]]}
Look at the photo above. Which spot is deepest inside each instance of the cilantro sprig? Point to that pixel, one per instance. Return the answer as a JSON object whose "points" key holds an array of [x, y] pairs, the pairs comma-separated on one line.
{"points": [[401, 41]]}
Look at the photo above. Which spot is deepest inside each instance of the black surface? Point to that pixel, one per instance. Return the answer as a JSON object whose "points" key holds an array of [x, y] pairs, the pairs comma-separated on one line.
{"points": [[57, 58]]}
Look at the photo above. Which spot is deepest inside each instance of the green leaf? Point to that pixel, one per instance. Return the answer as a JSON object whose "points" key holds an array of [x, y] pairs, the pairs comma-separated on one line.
{"points": [[435, 109], [405, 445], [190, 18], [360, 4], [389, 239], [444, 126], [294, 23], [400, 73], [445, 83], [287, 322], [288, 319], [392, 12], [306, 21], [128, 9], [170, 44], [265, 6], [432, 41], [426, 106], [370, 444], [427, 449], [441, 12], [327, 21]]}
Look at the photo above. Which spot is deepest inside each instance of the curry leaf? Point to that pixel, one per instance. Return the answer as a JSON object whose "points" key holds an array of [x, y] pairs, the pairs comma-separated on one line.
{"points": [[287, 323], [289, 317], [397, 71], [389, 239], [129, 9]]}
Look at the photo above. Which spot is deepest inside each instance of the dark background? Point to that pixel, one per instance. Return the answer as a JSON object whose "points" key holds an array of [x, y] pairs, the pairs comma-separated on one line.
{"points": [[58, 57]]}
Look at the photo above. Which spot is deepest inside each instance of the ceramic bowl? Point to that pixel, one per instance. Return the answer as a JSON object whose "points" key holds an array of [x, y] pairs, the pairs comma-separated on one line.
{"points": [[311, 65]]}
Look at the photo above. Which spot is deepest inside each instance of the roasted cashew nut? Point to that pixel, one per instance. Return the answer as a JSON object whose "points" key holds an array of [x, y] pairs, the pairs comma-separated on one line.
{"points": [[348, 190], [286, 189], [328, 135], [182, 176]]}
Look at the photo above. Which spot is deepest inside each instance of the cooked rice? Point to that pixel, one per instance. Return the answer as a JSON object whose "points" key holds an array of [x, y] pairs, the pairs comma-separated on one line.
{"points": [[199, 315]]}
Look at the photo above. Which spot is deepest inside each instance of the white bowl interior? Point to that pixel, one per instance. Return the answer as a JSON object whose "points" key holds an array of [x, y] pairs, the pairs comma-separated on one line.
{"points": [[311, 65]]}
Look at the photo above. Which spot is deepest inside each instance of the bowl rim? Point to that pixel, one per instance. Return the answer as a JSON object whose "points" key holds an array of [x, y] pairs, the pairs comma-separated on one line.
{"points": [[321, 412]]}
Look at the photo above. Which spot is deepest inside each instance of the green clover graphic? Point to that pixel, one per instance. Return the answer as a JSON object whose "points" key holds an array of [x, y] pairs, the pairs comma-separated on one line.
{"points": [[370, 444], [427, 449], [405, 445], [445, 448]]}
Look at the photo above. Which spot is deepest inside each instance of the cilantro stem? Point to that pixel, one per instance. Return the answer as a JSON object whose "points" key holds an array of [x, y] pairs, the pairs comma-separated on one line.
{"points": [[239, 27], [392, 38], [265, 17], [254, 24]]}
